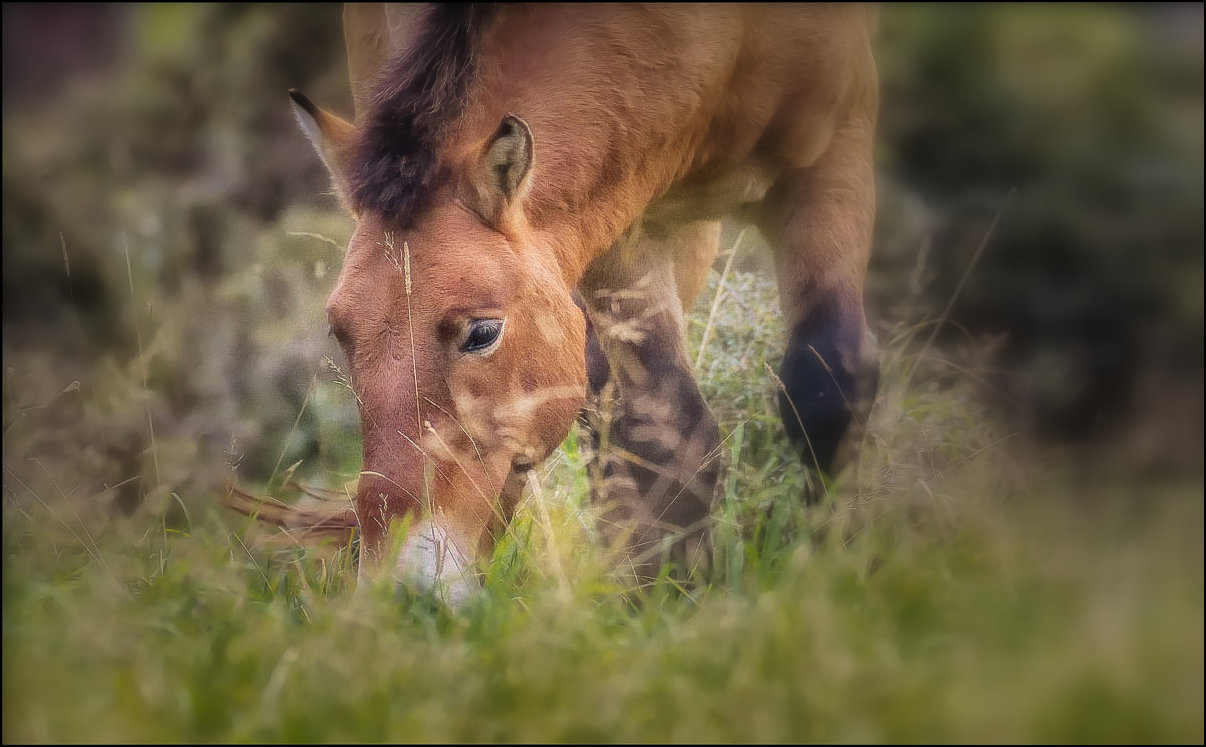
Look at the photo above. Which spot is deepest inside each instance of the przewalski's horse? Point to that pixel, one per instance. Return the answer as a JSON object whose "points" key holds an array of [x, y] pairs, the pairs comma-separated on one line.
{"points": [[507, 163]]}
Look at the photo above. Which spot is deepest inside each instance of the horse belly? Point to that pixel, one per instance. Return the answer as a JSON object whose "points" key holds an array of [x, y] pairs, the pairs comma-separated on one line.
{"points": [[718, 197]]}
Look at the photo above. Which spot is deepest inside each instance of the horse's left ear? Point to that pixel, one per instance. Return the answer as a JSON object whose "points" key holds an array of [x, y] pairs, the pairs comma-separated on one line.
{"points": [[330, 136], [505, 167]]}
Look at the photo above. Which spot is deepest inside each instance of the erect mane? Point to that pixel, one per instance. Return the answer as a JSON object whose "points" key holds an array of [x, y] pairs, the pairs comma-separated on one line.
{"points": [[418, 94]]}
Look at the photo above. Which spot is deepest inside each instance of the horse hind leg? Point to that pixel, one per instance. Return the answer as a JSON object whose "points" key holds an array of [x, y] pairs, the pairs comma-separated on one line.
{"points": [[657, 459], [818, 220]]}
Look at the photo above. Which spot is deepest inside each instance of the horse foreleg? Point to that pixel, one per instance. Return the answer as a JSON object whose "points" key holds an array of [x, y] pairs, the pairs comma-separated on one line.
{"points": [[818, 221], [658, 446]]}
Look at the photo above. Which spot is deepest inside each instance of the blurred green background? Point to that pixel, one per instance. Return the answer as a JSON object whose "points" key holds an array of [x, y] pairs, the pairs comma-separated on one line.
{"points": [[169, 236]]}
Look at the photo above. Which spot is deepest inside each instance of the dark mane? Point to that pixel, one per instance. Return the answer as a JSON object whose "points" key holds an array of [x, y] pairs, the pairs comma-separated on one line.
{"points": [[419, 92]]}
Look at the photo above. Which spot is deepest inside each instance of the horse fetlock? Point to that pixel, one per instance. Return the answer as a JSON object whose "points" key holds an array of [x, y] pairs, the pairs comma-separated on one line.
{"points": [[828, 381], [644, 546]]}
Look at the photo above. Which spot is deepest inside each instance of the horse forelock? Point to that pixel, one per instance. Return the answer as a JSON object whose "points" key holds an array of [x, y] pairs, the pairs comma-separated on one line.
{"points": [[419, 92]]}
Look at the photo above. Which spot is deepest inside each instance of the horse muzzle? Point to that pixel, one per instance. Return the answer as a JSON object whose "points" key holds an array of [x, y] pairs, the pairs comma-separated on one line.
{"points": [[432, 562]]}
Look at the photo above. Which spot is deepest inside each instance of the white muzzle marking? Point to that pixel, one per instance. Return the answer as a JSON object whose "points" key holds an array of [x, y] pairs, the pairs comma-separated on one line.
{"points": [[430, 561]]}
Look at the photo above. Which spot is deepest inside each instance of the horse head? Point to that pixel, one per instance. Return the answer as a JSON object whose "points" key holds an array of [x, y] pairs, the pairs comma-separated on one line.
{"points": [[464, 346]]}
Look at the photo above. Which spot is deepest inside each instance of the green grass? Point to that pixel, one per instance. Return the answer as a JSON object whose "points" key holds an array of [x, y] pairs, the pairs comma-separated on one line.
{"points": [[954, 586]]}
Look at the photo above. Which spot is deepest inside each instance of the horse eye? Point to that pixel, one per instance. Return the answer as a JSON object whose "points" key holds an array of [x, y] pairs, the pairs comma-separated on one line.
{"points": [[483, 335]]}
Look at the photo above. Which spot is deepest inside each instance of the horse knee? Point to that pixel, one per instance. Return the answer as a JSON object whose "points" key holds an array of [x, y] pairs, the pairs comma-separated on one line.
{"points": [[829, 376], [666, 446]]}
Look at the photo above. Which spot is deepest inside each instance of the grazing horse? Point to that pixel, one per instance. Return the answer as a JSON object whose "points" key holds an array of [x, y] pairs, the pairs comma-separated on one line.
{"points": [[537, 193]]}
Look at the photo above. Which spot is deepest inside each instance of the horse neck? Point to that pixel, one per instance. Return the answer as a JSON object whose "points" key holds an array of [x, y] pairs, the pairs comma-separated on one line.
{"points": [[614, 114]]}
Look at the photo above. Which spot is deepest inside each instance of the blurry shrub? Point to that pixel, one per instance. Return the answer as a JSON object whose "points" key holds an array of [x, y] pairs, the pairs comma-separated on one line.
{"points": [[184, 161], [1094, 114]]}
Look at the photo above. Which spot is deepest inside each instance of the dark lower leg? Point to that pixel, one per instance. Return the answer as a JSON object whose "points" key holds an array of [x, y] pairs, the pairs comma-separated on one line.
{"points": [[829, 378]]}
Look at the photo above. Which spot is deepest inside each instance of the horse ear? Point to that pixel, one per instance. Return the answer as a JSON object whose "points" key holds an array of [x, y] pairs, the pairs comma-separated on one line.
{"points": [[329, 134], [505, 166]]}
